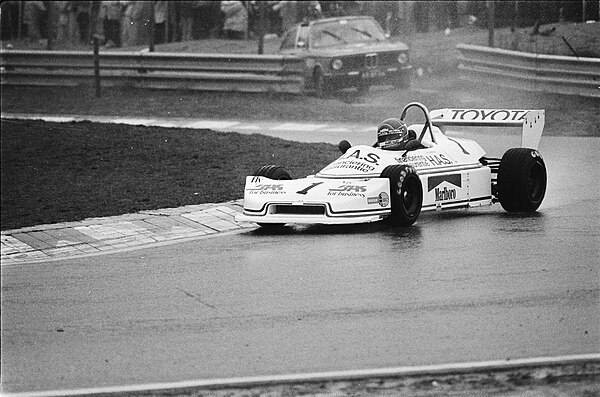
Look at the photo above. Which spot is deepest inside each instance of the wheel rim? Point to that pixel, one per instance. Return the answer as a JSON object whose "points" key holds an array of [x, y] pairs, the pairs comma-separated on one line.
{"points": [[410, 197]]}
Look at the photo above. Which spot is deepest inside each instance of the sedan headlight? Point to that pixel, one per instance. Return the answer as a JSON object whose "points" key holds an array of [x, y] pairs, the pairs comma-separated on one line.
{"points": [[402, 57], [337, 64]]}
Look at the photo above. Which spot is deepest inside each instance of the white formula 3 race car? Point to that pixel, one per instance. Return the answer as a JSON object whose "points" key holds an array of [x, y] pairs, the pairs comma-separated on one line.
{"points": [[437, 172]]}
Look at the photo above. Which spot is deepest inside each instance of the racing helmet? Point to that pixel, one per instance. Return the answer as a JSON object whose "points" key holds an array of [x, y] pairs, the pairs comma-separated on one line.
{"points": [[392, 134]]}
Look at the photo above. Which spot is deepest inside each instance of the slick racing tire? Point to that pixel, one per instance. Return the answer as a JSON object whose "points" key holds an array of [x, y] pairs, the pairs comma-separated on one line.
{"points": [[521, 180], [406, 194], [272, 172]]}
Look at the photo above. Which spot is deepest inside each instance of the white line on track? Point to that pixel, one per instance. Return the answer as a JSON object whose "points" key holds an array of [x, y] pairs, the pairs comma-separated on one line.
{"points": [[438, 369]]}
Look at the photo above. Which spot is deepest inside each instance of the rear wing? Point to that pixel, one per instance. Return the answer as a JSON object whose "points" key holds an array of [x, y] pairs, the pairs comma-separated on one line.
{"points": [[531, 121]]}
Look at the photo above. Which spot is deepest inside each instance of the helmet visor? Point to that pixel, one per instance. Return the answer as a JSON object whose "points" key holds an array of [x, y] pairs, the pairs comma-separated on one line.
{"points": [[391, 135]]}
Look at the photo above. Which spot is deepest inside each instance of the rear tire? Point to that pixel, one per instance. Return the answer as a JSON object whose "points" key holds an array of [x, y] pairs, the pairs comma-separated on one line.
{"points": [[406, 194], [522, 180], [273, 172]]}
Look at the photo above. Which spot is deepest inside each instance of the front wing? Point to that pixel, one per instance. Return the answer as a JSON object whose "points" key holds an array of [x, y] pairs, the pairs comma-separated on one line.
{"points": [[315, 200]]}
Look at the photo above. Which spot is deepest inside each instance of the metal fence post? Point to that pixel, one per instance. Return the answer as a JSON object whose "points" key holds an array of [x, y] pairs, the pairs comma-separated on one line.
{"points": [[491, 22], [152, 22], [262, 20], [97, 66]]}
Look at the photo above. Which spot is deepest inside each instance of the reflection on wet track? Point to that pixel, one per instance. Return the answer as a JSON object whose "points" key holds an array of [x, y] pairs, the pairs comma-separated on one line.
{"points": [[464, 285]]}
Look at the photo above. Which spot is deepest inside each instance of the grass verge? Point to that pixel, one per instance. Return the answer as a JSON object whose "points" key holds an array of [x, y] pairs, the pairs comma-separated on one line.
{"points": [[65, 172]]}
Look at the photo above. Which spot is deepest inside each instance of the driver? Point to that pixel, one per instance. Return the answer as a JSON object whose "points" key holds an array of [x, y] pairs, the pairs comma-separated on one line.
{"points": [[392, 134]]}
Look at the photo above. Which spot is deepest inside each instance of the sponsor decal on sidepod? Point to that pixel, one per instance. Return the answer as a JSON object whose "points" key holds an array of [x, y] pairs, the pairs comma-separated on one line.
{"points": [[267, 189], [444, 194], [383, 199]]}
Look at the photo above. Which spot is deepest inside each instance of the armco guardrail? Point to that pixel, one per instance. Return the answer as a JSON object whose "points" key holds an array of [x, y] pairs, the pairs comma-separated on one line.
{"points": [[211, 72], [534, 72], [537, 376]]}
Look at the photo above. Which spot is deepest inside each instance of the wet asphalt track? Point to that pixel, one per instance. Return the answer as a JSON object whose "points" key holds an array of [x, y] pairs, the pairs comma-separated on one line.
{"points": [[458, 286]]}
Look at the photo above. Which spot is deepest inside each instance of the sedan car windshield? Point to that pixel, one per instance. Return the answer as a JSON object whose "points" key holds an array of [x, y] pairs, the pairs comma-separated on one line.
{"points": [[342, 32]]}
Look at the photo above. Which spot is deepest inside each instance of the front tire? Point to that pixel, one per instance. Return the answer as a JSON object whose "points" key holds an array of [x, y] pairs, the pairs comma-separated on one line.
{"points": [[406, 194], [522, 180]]}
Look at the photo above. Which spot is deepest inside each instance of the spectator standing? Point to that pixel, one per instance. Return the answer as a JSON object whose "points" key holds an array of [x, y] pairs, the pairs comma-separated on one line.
{"points": [[421, 16], [205, 18], [140, 14], [289, 14], [235, 24], [97, 13], [173, 21], [405, 23], [385, 13], [64, 21], [9, 23], [187, 20], [314, 10], [310, 11], [32, 16], [82, 11], [127, 24], [160, 21], [112, 22], [351, 7], [274, 17], [332, 9], [283, 16]]}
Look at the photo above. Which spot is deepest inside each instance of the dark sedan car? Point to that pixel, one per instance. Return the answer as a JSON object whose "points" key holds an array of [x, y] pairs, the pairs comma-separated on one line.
{"points": [[347, 52]]}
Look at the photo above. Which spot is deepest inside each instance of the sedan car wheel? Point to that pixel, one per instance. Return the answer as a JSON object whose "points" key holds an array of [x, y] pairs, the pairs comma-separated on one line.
{"points": [[402, 81], [321, 88], [363, 88]]}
